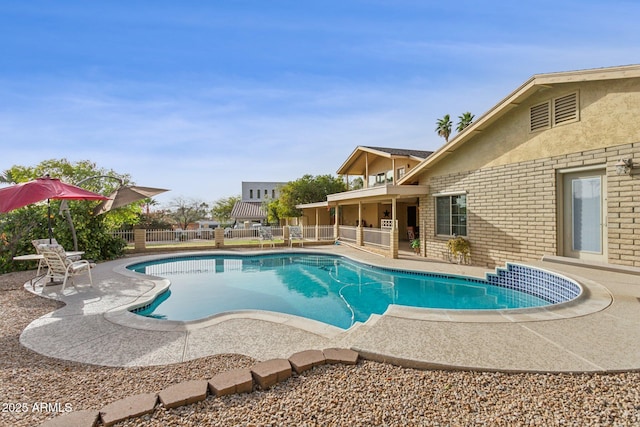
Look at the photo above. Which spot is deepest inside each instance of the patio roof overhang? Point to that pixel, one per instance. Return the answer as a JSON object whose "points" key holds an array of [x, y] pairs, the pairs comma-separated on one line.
{"points": [[324, 204], [368, 195], [378, 193]]}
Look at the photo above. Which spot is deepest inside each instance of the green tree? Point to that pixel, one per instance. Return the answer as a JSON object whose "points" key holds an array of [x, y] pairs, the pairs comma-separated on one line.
{"points": [[221, 210], [308, 189], [19, 227], [356, 184], [157, 220], [464, 120], [6, 177], [271, 209], [185, 211], [443, 127]]}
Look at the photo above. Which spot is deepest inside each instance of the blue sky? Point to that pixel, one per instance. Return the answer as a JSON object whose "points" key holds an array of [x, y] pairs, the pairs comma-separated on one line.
{"points": [[198, 96]]}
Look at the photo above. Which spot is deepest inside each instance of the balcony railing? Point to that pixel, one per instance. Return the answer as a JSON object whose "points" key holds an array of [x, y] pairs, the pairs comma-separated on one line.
{"points": [[318, 233], [377, 237], [348, 233]]}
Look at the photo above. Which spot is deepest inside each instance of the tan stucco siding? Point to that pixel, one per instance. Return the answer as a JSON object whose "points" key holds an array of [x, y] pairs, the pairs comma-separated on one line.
{"points": [[608, 117], [379, 165], [309, 216]]}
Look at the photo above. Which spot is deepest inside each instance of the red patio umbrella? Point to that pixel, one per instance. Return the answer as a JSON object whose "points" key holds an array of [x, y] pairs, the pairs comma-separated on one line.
{"points": [[45, 188]]}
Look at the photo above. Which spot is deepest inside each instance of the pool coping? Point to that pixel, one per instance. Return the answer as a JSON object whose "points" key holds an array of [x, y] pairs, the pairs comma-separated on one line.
{"points": [[593, 298], [124, 339]]}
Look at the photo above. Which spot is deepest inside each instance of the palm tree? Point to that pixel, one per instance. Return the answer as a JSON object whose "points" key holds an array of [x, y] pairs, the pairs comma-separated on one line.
{"points": [[147, 203], [444, 127], [6, 177], [464, 121]]}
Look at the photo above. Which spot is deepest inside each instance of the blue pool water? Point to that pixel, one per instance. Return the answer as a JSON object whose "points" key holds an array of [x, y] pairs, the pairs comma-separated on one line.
{"points": [[331, 289]]}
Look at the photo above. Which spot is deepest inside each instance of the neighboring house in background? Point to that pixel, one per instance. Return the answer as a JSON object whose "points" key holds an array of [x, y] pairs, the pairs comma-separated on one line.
{"points": [[247, 211], [552, 169], [206, 227], [254, 194]]}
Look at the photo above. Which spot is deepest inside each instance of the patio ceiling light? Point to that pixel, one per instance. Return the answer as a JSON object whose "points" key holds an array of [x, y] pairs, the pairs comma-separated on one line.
{"points": [[624, 166]]}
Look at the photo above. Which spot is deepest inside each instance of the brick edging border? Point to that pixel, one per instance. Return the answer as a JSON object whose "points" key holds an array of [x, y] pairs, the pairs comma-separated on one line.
{"points": [[263, 374]]}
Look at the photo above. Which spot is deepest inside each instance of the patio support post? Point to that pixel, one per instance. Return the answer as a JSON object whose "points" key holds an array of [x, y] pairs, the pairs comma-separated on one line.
{"points": [[140, 239], [336, 227], [366, 170], [359, 230], [423, 240], [286, 235], [393, 171], [218, 236], [393, 238], [317, 225]]}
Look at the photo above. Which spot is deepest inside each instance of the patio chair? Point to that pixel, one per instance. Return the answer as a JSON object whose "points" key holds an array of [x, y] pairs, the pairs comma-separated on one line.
{"points": [[36, 244], [62, 267], [265, 235], [411, 233], [295, 232]]}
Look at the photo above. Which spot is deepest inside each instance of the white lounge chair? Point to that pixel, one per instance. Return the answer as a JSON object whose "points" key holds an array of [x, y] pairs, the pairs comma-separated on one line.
{"points": [[265, 235], [38, 242], [62, 267], [295, 232]]}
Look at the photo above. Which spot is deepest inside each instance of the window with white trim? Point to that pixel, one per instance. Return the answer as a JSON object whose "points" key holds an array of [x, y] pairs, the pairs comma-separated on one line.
{"points": [[451, 215]]}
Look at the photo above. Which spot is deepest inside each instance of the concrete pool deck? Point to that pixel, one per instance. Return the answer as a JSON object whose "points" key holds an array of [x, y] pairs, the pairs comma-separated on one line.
{"points": [[598, 333]]}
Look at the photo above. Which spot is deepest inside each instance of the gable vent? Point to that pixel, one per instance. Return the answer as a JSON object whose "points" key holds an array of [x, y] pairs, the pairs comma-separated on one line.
{"points": [[565, 109], [540, 117]]}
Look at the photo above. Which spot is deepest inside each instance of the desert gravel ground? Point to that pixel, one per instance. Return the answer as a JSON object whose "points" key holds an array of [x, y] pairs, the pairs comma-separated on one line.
{"points": [[33, 387]]}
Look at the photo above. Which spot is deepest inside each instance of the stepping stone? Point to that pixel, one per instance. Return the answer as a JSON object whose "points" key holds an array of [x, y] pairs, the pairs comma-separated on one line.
{"points": [[341, 355], [184, 393], [84, 418], [231, 382], [129, 407], [305, 360], [271, 372]]}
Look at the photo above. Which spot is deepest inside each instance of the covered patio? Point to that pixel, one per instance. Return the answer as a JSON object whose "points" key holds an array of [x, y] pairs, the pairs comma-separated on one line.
{"points": [[376, 218], [380, 214]]}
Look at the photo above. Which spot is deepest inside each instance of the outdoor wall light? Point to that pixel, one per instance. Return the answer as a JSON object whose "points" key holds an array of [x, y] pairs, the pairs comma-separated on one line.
{"points": [[624, 166]]}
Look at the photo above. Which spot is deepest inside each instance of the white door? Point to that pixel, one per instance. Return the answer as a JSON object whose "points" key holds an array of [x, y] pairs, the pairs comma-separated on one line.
{"points": [[585, 215]]}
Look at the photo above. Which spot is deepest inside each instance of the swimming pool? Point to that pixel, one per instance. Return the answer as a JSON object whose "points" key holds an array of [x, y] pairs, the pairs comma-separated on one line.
{"points": [[333, 289]]}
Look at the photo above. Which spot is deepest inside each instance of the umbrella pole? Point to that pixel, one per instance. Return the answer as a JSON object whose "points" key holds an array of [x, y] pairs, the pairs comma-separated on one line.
{"points": [[51, 281], [67, 214], [49, 221]]}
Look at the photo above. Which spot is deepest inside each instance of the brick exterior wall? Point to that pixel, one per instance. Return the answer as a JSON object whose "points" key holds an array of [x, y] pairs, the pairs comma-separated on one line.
{"points": [[512, 210], [624, 208]]}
